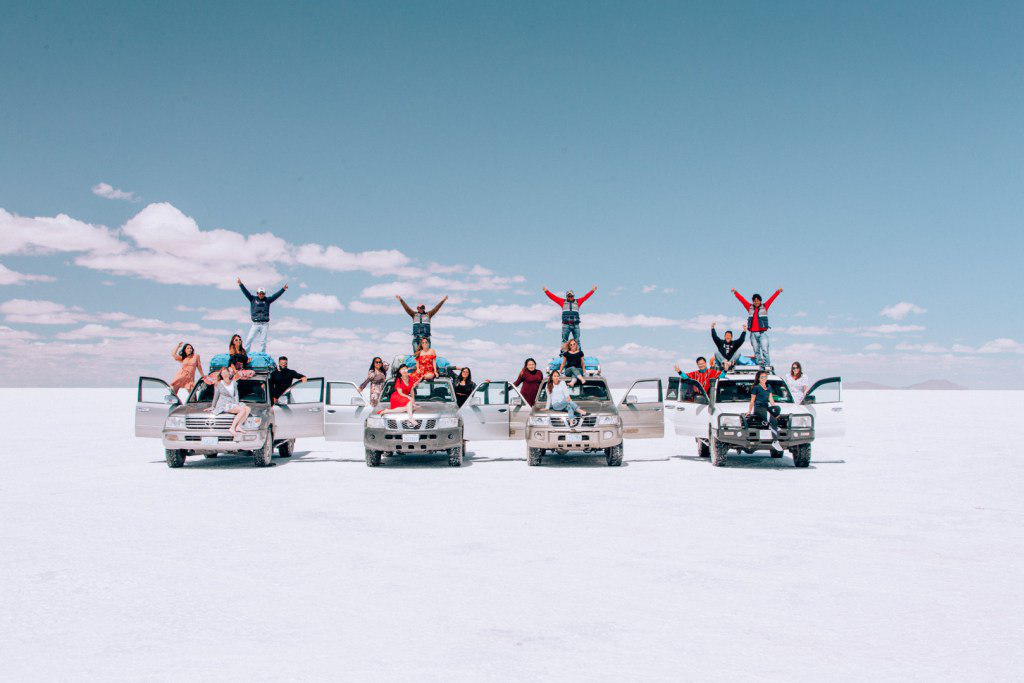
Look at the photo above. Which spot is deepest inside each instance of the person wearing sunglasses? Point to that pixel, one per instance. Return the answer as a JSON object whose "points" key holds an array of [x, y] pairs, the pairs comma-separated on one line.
{"points": [[757, 324], [797, 383]]}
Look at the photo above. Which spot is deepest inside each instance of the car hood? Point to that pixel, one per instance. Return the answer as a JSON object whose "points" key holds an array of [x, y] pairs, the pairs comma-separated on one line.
{"points": [[258, 409], [428, 410], [603, 407]]}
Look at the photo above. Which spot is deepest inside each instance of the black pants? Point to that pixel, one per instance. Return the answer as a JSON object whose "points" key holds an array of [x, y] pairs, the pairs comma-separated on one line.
{"points": [[768, 414]]}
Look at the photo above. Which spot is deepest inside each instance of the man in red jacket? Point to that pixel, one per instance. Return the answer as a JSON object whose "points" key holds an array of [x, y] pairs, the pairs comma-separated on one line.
{"points": [[757, 324], [702, 374], [570, 313]]}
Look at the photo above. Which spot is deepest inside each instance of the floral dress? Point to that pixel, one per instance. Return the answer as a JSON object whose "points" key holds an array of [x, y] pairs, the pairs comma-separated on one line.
{"points": [[376, 380], [186, 377], [424, 364]]}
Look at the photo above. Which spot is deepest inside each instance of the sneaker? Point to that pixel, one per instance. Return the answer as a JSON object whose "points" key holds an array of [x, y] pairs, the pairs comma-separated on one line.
{"points": [[776, 445]]}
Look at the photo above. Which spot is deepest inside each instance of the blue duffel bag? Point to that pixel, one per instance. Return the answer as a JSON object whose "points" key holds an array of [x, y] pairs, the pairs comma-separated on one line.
{"points": [[219, 361], [261, 361], [555, 363], [591, 363]]}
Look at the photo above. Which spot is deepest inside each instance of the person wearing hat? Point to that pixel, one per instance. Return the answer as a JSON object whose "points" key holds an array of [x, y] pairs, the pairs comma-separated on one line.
{"points": [[570, 313], [259, 313]]}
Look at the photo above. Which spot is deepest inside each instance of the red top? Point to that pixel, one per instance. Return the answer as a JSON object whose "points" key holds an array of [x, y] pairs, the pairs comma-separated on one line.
{"points": [[397, 400], [530, 382], [755, 324], [705, 377], [561, 302]]}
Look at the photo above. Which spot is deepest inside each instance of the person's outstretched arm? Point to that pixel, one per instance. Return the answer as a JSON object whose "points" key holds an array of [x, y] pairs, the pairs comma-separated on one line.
{"points": [[437, 308], [405, 306], [244, 290], [176, 355], [587, 295], [715, 338], [271, 299], [746, 304], [768, 303], [558, 300]]}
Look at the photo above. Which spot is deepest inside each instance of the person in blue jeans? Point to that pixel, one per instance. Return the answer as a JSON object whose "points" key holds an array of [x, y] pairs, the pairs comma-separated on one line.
{"points": [[570, 306], [259, 313], [560, 399], [572, 361], [757, 324]]}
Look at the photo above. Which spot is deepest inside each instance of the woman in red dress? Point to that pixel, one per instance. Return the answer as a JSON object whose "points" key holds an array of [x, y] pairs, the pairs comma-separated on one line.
{"points": [[401, 399], [426, 362], [529, 380]]}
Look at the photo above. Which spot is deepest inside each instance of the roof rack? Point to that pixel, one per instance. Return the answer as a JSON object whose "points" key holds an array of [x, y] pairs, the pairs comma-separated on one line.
{"points": [[750, 369]]}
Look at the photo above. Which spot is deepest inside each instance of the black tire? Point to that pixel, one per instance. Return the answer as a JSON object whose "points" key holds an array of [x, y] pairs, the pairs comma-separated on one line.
{"points": [[286, 448], [718, 452], [455, 456], [372, 458], [777, 454], [210, 456], [703, 450], [802, 455], [534, 456], [174, 457], [262, 456], [615, 456]]}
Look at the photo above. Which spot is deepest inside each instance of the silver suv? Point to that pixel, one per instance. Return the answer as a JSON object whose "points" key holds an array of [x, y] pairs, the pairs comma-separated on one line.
{"points": [[189, 429], [640, 415], [495, 411]]}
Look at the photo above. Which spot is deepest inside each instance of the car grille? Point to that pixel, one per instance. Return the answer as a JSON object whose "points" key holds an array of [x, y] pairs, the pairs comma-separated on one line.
{"points": [[208, 421], [588, 421], [411, 425]]}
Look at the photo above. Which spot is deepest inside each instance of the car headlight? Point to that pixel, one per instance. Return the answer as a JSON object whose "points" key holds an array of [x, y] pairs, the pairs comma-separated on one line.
{"points": [[375, 422], [540, 421], [607, 420], [252, 423], [801, 421], [175, 422], [730, 421], [447, 422]]}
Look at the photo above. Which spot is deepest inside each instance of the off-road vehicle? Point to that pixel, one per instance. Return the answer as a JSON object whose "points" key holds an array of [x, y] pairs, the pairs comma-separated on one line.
{"points": [[190, 429], [718, 422]]}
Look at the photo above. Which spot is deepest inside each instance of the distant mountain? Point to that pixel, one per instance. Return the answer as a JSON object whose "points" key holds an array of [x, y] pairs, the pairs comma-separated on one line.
{"points": [[930, 385]]}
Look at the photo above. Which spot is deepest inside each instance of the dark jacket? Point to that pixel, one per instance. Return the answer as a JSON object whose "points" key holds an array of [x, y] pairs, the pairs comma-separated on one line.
{"points": [[727, 349], [259, 309], [280, 380]]}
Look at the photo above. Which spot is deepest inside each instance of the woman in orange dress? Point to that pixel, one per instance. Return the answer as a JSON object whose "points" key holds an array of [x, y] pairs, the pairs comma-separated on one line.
{"points": [[402, 399], [426, 362], [190, 364]]}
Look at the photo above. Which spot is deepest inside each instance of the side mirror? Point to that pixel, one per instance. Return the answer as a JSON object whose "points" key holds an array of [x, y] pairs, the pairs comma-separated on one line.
{"points": [[808, 399], [357, 401], [631, 398], [515, 401], [703, 400], [172, 400], [477, 400]]}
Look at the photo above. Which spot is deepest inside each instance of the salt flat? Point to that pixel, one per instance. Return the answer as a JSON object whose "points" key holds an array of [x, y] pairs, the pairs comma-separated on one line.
{"points": [[896, 555]]}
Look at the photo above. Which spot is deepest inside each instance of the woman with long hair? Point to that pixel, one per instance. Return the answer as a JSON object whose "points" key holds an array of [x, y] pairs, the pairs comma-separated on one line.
{"points": [[762, 406], [186, 354], [529, 381], [402, 399], [376, 376], [464, 386], [225, 400], [572, 361], [426, 362], [797, 383], [237, 353], [560, 399]]}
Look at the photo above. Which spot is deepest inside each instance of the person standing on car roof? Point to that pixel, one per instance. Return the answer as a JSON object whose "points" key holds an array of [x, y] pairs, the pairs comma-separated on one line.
{"points": [[762, 406], [702, 374], [420, 320], [728, 348], [757, 324], [570, 313], [259, 313], [283, 377]]}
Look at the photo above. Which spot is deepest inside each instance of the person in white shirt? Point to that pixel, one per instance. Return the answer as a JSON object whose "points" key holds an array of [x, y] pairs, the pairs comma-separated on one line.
{"points": [[559, 397], [797, 383]]}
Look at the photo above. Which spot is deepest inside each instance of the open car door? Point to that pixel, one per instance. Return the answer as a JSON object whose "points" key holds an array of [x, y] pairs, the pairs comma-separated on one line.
{"points": [[643, 410], [345, 413], [153, 402], [825, 403], [692, 409], [300, 410], [494, 411]]}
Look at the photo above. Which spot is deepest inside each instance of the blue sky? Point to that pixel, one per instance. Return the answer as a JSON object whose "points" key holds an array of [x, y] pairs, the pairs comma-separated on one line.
{"points": [[859, 156]]}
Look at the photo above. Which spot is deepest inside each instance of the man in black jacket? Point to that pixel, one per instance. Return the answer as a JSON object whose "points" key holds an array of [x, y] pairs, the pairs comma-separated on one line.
{"points": [[259, 313], [728, 349], [283, 377]]}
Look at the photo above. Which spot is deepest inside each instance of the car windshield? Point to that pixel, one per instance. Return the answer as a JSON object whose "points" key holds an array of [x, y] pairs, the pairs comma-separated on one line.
{"points": [[427, 391], [249, 391], [733, 391], [591, 391]]}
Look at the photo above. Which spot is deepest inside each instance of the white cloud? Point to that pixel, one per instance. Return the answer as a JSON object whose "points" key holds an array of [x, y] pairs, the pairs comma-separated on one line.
{"points": [[1001, 345], [873, 347], [887, 329], [647, 289], [318, 303], [597, 321], [805, 330], [375, 309], [334, 333], [239, 313], [9, 335], [337, 259], [11, 277], [512, 313], [110, 192], [44, 235], [39, 312], [901, 310], [96, 331]]}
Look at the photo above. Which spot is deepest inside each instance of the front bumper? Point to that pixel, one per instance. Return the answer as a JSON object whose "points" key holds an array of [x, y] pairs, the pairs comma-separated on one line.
{"points": [[202, 441], [427, 441], [751, 438], [582, 439]]}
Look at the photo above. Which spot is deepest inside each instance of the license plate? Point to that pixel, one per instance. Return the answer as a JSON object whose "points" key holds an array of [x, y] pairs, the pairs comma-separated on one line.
{"points": [[574, 438], [209, 441], [410, 437], [766, 434]]}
